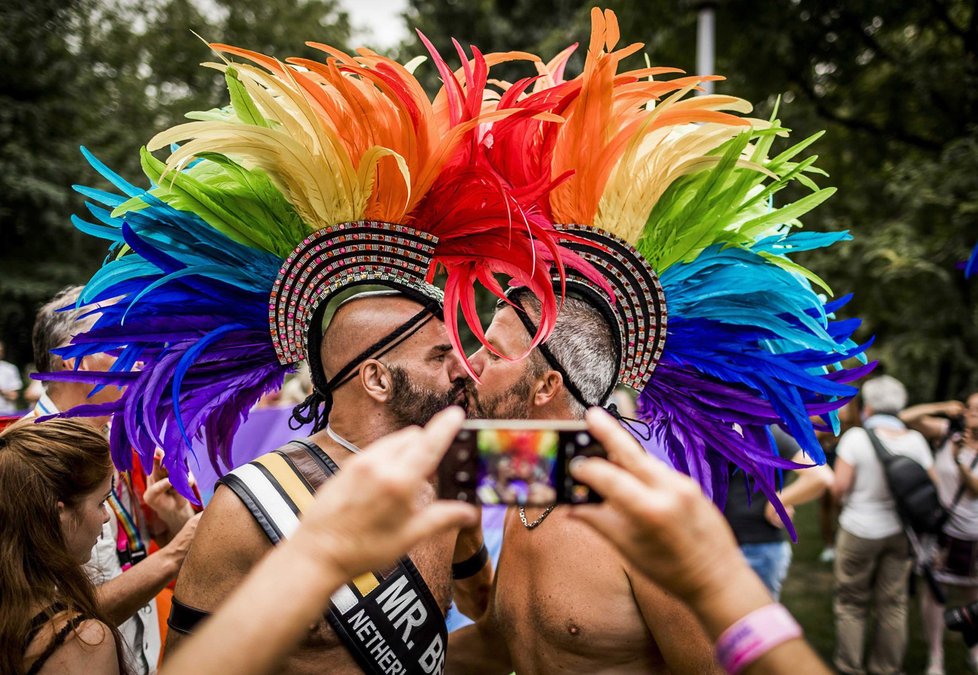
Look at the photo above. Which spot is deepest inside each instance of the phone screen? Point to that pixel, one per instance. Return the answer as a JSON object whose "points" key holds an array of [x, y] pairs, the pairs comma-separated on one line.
{"points": [[516, 462], [517, 466]]}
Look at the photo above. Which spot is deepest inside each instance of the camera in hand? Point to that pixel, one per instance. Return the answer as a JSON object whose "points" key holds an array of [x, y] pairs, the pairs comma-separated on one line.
{"points": [[965, 621], [955, 425], [517, 462]]}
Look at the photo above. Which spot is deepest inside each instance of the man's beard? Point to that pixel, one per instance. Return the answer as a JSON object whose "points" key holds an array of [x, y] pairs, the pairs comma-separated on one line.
{"points": [[509, 405], [411, 404]]}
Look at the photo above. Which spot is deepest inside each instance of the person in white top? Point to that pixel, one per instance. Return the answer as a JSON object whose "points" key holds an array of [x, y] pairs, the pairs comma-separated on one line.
{"points": [[955, 559], [872, 564], [10, 384]]}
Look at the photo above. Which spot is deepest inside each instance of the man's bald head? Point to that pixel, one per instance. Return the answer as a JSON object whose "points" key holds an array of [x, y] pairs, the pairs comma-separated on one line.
{"points": [[361, 321]]}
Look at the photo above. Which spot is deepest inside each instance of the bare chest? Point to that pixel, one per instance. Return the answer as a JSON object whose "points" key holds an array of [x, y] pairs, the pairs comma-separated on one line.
{"points": [[563, 591]]}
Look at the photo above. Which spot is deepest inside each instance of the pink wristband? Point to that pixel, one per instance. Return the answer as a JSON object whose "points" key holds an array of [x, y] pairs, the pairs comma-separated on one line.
{"points": [[754, 635]]}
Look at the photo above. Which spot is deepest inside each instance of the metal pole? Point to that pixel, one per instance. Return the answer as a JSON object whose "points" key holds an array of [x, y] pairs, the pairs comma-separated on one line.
{"points": [[705, 43]]}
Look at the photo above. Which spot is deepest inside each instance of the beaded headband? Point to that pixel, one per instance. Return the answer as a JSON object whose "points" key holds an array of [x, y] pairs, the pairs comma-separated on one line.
{"points": [[336, 258], [638, 306]]}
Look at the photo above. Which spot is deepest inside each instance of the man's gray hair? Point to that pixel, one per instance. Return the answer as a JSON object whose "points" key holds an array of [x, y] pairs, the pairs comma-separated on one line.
{"points": [[885, 395], [581, 343], [53, 328]]}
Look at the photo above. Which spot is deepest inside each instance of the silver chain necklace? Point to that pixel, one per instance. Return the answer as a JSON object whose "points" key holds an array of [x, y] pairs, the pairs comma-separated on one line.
{"points": [[535, 523], [342, 441]]}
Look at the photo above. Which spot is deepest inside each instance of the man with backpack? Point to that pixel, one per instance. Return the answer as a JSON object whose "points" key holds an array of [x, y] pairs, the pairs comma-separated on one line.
{"points": [[873, 559]]}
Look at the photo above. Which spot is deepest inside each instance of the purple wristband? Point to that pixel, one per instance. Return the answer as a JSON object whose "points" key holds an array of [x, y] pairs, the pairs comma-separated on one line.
{"points": [[754, 635]]}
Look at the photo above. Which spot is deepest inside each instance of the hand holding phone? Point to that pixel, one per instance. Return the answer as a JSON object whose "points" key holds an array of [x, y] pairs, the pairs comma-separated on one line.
{"points": [[517, 462]]}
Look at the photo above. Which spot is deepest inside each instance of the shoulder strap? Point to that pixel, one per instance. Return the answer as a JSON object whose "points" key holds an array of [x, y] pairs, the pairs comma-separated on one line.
{"points": [[390, 623], [881, 451], [41, 618], [55, 643]]}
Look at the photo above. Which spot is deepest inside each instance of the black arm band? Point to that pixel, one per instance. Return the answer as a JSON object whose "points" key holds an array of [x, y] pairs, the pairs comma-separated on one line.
{"points": [[183, 619], [471, 566]]}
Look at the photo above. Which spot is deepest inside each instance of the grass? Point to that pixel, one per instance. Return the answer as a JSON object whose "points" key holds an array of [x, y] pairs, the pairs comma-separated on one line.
{"points": [[807, 593]]}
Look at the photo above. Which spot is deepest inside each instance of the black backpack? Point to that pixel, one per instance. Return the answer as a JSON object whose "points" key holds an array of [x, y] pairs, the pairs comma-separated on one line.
{"points": [[914, 492]]}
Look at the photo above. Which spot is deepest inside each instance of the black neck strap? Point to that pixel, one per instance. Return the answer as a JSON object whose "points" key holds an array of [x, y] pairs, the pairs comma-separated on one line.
{"points": [[315, 409], [641, 428], [548, 355]]}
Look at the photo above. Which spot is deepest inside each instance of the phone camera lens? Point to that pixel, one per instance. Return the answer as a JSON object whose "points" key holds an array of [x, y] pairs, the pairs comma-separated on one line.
{"points": [[462, 476], [583, 439]]}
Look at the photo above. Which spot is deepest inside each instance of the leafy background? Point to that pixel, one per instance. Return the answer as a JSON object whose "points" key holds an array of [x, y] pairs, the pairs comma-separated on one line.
{"points": [[893, 83]]}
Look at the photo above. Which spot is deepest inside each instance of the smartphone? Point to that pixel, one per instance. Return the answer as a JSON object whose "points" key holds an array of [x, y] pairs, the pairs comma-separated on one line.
{"points": [[517, 462]]}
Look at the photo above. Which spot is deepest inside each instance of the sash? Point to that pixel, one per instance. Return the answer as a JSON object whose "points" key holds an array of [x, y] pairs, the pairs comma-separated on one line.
{"points": [[389, 622]]}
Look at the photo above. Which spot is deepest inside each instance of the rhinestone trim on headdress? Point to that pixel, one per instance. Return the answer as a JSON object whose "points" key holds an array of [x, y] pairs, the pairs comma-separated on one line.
{"points": [[336, 257], [639, 304]]}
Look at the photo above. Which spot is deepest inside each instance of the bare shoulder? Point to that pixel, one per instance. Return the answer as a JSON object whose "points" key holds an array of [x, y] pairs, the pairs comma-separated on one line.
{"points": [[89, 648], [227, 545]]}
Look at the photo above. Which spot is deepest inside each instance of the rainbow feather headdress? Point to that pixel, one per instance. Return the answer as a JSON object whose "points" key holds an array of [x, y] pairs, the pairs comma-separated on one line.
{"points": [[615, 185], [316, 177], [671, 198]]}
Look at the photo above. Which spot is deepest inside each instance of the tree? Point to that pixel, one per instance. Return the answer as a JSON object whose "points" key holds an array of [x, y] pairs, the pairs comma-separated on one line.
{"points": [[894, 85], [107, 75]]}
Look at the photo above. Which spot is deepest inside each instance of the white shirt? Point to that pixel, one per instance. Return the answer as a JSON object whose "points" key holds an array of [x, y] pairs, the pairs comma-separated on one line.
{"points": [[963, 522], [869, 511], [9, 381], [141, 632]]}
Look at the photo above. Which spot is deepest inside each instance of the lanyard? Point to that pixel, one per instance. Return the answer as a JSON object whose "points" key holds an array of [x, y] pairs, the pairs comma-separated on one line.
{"points": [[130, 547]]}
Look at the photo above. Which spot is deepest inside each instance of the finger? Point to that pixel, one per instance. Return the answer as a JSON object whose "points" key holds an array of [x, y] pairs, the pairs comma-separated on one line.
{"points": [[157, 471], [623, 449], [613, 483], [439, 517], [154, 490], [437, 436], [605, 520]]}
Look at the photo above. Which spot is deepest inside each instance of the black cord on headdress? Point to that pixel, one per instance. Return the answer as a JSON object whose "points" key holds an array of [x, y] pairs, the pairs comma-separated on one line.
{"points": [[316, 408], [634, 424], [640, 428]]}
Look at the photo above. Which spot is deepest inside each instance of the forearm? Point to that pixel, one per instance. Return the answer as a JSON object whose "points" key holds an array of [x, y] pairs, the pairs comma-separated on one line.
{"points": [[472, 594], [122, 597], [809, 485], [230, 641], [472, 591], [475, 649], [740, 595]]}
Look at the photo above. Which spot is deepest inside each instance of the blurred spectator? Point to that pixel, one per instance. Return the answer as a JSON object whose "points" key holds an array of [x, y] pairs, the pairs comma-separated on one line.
{"points": [[758, 527], [828, 505], [10, 384], [297, 387], [35, 388], [54, 480], [872, 563], [953, 427], [128, 574]]}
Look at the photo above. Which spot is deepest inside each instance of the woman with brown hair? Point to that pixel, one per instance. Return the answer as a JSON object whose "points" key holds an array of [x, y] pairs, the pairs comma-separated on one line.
{"points": [[54, 479]]}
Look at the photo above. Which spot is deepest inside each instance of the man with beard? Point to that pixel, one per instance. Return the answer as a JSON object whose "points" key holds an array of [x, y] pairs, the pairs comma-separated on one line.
{"points": [[564, 600], [407, 374]]}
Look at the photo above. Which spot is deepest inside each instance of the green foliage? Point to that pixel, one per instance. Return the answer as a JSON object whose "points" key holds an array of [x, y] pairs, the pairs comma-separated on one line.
{"points": [[106, 74]]}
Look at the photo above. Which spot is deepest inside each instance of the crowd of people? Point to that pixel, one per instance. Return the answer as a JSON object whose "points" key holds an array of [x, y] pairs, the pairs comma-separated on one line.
{"points": [[304, 225]]}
